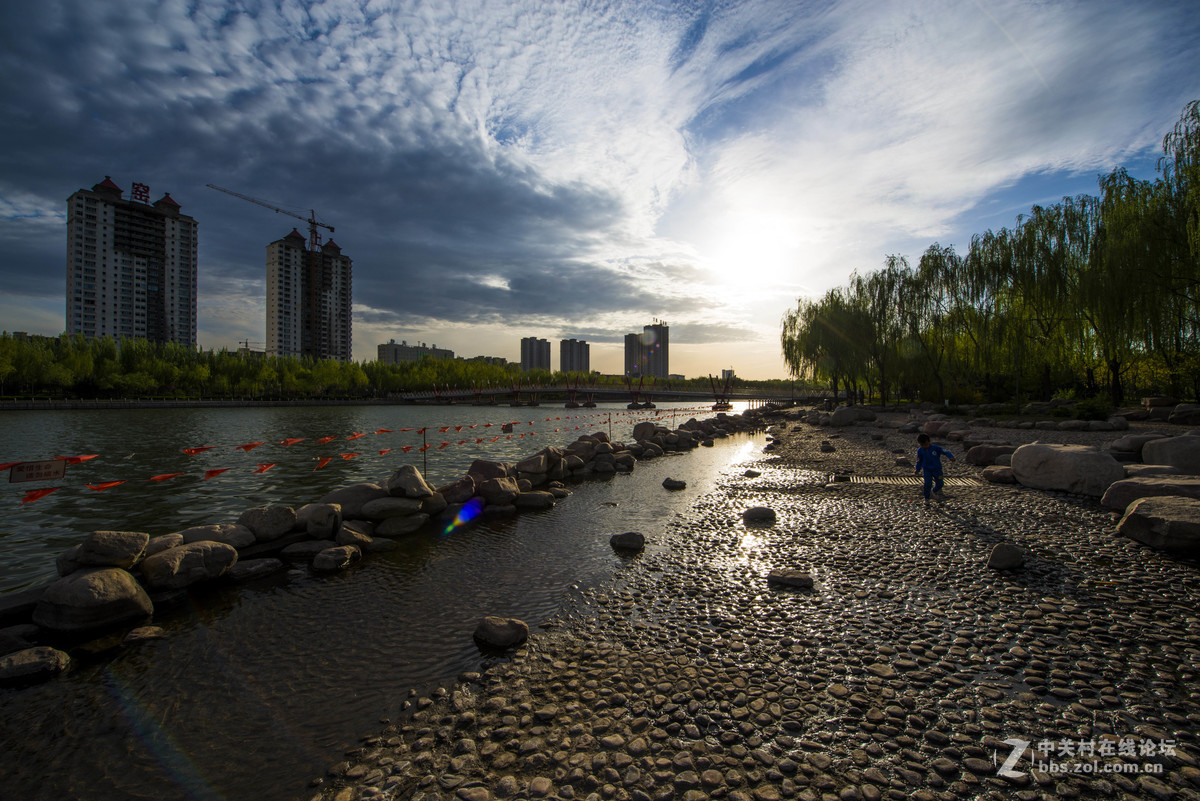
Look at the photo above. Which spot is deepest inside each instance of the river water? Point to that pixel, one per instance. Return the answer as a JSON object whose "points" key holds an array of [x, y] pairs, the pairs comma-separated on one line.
{"points": [[260, 687]]}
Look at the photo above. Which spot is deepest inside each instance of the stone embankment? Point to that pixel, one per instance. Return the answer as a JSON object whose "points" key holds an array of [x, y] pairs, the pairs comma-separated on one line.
{"points": [[852, 644], [117, 578]]}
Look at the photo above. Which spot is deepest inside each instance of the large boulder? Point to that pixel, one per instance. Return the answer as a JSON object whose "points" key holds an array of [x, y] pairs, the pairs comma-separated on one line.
{"points": [[320, 520], [643, 431], [999, 474], [535, 499], [32, 664], [1006, 556], [112, 548], [1129, 447], [629, 541], [188, 564], [352, 498], [849, 415], [538, 463], [1124, 492], [1181, 452], [269, 522], [1168, 523], [400, 526], [384, 508], [1077, 469], [332, 560], [986, 454], [163, 542], [92, 598], [407, 482], [229, 533], [250, 569], [483, 469], [1185, 414]]}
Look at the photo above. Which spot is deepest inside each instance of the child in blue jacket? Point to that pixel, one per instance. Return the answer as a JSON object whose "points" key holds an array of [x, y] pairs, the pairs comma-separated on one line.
{"points": [[929, 459]]}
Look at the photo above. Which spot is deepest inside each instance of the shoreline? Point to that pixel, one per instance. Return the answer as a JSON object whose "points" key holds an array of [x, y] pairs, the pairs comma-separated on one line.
{"points": [[900, 675]]}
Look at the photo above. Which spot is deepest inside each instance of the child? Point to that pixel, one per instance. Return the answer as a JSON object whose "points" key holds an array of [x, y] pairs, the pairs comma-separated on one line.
{"points": [[929, 459]]}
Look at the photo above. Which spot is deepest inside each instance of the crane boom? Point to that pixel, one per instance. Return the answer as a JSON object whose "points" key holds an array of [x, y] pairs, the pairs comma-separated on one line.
{"points": [[314, 238]]}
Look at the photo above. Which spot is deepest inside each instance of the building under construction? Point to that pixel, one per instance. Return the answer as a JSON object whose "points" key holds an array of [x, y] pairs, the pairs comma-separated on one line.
{"points": [[308, 299]]}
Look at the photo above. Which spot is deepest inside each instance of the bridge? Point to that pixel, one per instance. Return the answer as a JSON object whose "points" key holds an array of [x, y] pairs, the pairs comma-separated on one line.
{"points": [[575, 396]]}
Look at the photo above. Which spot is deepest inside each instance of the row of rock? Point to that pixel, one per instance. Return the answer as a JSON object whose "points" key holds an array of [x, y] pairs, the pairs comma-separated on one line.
{"points": [[113, 577]]}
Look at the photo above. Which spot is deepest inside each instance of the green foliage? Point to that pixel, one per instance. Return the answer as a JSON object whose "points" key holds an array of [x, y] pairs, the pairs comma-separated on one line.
{"points": [[1097, 408], [1085, 295]]}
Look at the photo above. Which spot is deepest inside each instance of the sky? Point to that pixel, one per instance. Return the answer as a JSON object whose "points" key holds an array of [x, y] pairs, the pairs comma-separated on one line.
{"points": [[572, 168]]}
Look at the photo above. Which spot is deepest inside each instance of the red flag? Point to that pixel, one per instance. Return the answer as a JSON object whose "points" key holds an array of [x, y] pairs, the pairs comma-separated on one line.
{"points": [[382, 451], [406, 429], [214, 473], [443, 429], [324, 460], [444, 444], [194, 451], [420, 431], [76, 460], [348, 456], [101, 487], [473, 425], [290, 441], [487, 425], [249, 446], [406, 448], [461, 441], [493, 439], [164, 476], [262, 468], [7, 465], [479, 440], [323, 440], [422, 449], [384, 431], [355, 436], [458, 428], [33, 495]]}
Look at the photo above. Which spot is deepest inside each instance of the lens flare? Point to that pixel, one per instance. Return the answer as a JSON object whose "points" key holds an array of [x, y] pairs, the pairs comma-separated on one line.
{"points": [[470, 511]]}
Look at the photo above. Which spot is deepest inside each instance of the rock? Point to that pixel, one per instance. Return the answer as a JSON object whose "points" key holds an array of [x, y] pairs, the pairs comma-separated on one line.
{"points": [[269, 522], [1066, 468], [407, 482], [352, 498], [1167, 523], [790, 578], [629, 541], [92, 598], [849, 415], [674, 484], [534, 499], [32, 665], [306, 550], [433, 505], [499, 491], [384, 508], [1130, 446], [67, 562], [112, 548], [460, 490], [538, 463], [188, 564], [1185, 414], [758, 515], [1181, 452], [1136, 470], [483, 469], [144, 634], [1006, 556], [1119, 423], [501, 632], [986, 454], [400, 526], [999, 474], [250, 569], [331, 560], [229, 533], [752, 473], [320, 520], [643, 431], [162, 543], [1124, 492], [826, 447]]}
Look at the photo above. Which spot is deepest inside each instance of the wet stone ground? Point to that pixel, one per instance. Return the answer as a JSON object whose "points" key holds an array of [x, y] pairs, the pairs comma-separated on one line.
{"points": [[899, 675]]}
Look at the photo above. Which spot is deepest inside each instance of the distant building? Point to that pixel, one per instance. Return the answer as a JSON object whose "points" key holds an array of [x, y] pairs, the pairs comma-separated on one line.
{"points": [[131, 266], [308, 299], [535, 354], [574, 356], [391, 353], [646, 354], [727, 375], [499, 361]]}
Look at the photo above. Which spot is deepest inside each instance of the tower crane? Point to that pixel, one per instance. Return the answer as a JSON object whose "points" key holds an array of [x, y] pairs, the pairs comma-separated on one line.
{"points": [[314, 238]]}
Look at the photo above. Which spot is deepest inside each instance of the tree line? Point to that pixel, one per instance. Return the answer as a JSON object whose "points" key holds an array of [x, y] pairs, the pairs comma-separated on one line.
{"points": [[73, 366], [1092, 296]]}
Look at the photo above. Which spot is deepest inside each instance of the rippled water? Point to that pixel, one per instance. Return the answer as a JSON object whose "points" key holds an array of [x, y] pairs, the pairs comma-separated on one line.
{"points": [[135, 445], [261, 687]]}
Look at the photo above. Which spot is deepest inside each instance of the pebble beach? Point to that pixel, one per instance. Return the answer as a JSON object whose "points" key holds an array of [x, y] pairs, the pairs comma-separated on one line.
{"points": [[910, 669]]}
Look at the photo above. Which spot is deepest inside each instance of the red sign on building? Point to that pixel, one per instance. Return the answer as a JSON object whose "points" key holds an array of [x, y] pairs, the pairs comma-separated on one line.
{"points": [[140, 192]]}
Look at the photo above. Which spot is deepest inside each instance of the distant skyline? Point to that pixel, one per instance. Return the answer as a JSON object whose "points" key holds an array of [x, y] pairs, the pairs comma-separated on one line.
{"points": [[500, 170]]}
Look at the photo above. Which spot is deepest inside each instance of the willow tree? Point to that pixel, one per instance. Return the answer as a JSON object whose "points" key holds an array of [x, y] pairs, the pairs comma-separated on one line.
{"points": [[822, 339], [926, 300], [876, 296]]}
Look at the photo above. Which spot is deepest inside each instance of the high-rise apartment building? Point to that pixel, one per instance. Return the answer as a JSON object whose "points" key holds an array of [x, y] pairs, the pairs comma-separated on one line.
{"points": [[535, 354], [131, 266], [574, 356], [391, 353], [308, 299], [646, 354]]}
